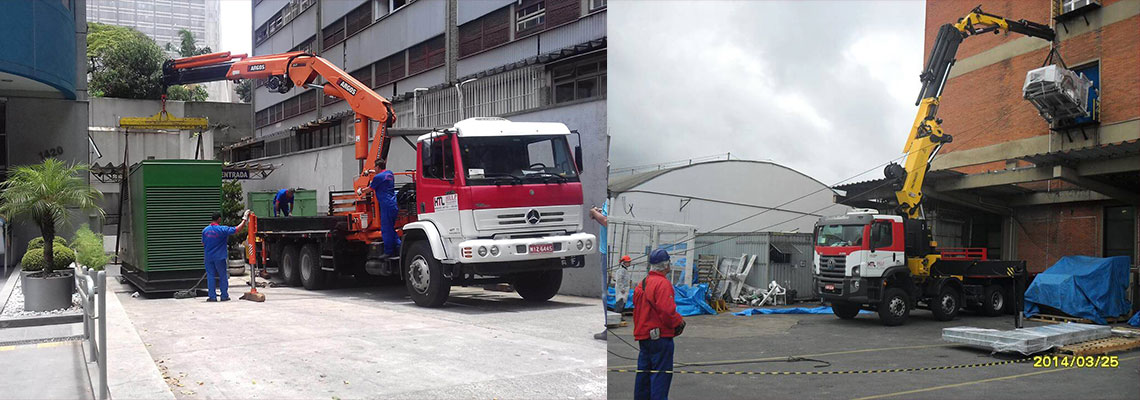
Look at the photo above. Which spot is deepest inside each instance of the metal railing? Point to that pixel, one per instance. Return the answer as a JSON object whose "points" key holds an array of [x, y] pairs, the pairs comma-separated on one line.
{"points": [[92, 287], [504, 93]]}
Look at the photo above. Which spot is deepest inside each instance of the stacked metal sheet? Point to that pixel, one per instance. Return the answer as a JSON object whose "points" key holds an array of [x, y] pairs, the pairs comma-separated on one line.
{"points": [[1026, 340]]}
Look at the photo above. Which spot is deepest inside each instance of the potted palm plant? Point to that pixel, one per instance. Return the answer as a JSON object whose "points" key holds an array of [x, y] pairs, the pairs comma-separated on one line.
{"points": [[43, 193]]}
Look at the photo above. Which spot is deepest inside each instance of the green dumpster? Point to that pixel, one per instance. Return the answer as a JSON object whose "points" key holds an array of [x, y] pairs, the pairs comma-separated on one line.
{"points": [[304, 203], [168, 204]]}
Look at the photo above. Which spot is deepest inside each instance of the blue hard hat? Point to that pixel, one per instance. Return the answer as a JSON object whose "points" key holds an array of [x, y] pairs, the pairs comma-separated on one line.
{"points": [[658, 256]]}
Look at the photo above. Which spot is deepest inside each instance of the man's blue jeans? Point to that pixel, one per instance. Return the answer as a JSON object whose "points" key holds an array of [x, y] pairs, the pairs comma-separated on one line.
{"points": [[216, 269], [655, 355]]}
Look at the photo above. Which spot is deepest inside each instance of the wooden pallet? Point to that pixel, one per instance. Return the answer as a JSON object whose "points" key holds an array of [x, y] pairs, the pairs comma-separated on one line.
{"points": [[1100, 346], [1059, 319], [621, 324]]}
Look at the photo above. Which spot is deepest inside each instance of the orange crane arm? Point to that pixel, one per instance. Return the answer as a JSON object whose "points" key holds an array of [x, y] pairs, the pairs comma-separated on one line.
{"points": [[296, 69]]}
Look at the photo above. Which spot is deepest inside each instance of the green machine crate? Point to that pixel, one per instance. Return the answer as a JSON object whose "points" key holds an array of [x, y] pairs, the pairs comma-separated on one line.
{"points": [[169, 201], [304, 203]]}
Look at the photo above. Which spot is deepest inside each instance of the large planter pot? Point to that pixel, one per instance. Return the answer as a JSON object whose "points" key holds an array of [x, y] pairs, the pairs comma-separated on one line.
{"points": [[236, 267], [46, 294]]}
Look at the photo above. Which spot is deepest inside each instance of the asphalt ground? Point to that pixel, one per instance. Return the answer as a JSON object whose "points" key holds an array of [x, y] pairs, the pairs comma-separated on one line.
{"points": [[731, 343], [372, 342]]}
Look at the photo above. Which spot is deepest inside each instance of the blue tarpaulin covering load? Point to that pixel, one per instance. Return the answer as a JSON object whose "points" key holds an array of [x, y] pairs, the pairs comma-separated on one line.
{"points": [[1135, 321], [1083, 287], [690, 300], [791, 310]]}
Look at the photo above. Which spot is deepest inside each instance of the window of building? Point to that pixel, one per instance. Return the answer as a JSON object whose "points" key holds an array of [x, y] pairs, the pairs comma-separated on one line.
{"points": [[334, 33], [358, 19], [397, 4], [262, 118], [426, 55], [579, 80], [290, 108], [775, 256], [1091, 71], [559, 12], [308, 101], [364, 75], [530, 16], [390, 69], [596, 5], [306, 46], [1120, 231], [485, 32], [1065, 9]]}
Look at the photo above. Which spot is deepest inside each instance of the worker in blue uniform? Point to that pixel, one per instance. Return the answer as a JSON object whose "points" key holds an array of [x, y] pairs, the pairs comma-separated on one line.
{"points": [[383, 187], [215, 238], [283, 202]]}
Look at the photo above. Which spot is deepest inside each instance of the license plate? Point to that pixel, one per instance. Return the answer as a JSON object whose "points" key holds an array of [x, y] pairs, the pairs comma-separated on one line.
{"points": [[829, 287], [541, 248]]}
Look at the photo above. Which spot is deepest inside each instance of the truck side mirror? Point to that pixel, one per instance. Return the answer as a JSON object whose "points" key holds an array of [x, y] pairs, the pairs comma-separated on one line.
{"points": [[578, 158]]}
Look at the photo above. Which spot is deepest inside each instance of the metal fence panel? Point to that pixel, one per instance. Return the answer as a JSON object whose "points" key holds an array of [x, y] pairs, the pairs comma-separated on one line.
{"points": [[637, 238]]}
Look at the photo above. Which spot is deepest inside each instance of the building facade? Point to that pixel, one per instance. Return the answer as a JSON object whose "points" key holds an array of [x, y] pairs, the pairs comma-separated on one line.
{"points": [[162, 19], [1010, 181], [42, 68], [530, 60]]}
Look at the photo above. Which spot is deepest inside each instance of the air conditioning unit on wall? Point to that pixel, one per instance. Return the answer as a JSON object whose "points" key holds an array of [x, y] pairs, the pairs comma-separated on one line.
{"points": [[1058, 94], [1066, 7]]}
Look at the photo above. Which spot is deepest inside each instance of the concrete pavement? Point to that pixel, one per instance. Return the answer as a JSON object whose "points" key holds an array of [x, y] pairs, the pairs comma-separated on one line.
{"points": [[52, 370], [861, 344], [372, 342]]}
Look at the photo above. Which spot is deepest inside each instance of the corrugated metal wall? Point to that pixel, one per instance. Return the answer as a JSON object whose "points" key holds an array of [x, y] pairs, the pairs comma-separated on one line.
{"points": [[793, 275]]}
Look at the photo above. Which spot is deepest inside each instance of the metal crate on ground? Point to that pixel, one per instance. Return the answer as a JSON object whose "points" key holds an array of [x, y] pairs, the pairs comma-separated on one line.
{"points": [[168, 204]]}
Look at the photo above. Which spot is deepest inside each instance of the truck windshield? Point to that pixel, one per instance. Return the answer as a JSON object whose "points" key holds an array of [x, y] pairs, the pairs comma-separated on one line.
{"points": [[498, 160], [838, 235]]}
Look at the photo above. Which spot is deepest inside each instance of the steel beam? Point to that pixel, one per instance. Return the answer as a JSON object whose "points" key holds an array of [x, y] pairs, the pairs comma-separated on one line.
{"points": [[1070, 175], [1063, 196]]}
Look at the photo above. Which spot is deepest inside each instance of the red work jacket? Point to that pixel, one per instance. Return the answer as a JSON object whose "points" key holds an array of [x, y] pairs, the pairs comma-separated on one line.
{"points": [[653, 307]]}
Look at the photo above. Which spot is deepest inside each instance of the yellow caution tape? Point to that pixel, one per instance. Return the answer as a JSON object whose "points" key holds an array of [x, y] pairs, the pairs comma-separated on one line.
{"points": [[868, 371]]}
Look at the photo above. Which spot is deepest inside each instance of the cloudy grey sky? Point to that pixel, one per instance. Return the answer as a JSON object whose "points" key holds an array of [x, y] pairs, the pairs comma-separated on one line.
{"points": [[826, 88], [235, 27]]}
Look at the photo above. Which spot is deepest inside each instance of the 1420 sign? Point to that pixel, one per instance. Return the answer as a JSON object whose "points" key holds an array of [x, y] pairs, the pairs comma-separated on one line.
{"points": [[52, 152]]}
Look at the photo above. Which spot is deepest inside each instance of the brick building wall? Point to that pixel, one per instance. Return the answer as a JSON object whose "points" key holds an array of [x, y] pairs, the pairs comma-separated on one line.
{"points": [[984, 107]]}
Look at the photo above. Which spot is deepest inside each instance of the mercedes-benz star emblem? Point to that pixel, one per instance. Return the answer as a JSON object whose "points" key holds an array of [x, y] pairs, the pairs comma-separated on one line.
{"points": [[831, 263], [532, 217]]}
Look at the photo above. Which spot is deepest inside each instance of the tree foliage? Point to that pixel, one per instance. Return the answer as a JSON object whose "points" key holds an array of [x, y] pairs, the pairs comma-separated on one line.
{"points": [[232, 207], [45, 193], [125, 63], [88, 247], [187, 46], [191, 92], [245, 90]]}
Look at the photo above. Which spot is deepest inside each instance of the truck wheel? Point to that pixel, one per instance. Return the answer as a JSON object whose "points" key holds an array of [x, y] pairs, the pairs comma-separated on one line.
{"points": [[539, 285], [895, 307], [993, 300], [290, 271], [844, 310], [312, 276], [424, 277], [945, 307]]}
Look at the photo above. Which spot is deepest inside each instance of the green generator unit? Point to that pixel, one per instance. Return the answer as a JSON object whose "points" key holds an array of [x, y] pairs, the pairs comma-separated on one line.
{"points": [[304, 203], [168, 204]]}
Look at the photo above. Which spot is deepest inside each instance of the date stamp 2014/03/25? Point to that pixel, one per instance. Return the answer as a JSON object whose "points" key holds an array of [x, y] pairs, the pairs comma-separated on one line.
{"points": [[1076, 361]]}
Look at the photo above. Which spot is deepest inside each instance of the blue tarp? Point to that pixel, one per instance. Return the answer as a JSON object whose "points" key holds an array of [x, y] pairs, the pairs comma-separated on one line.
{"points": [[793, 310], [690, 300], [1083, 287], [1135, 321]]}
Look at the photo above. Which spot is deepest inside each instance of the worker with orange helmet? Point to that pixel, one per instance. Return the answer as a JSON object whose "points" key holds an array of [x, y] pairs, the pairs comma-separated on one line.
{"points": [[621, 283]]}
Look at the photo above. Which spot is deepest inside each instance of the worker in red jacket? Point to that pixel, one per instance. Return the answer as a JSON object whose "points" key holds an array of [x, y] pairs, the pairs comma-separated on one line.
{"points": [[655, 323]]}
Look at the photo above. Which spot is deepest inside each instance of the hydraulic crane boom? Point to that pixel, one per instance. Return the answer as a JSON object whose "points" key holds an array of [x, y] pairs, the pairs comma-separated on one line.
{"points": [[300, 69], [926, 136]]}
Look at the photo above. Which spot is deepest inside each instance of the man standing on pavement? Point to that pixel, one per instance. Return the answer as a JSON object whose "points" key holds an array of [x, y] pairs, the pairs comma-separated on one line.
{"points": [[655, 323], [283, 202], [215, 238], [621, 284], [601, 215]]}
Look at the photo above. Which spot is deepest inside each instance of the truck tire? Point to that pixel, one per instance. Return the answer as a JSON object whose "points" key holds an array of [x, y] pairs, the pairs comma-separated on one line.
{"points": [[993, 301], [539, 285], [424, 276], [845, 310], [946, 306], [895, 307], [309, 261], [290, 271]]}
